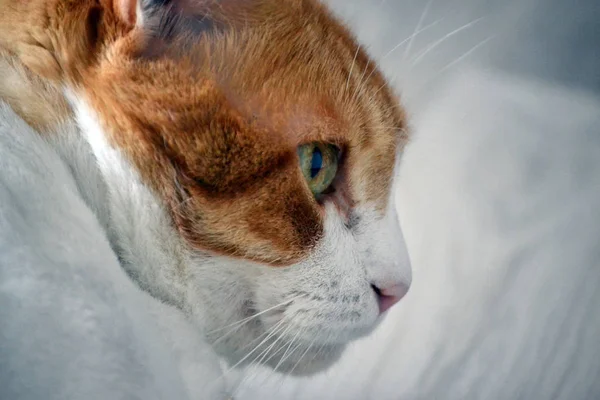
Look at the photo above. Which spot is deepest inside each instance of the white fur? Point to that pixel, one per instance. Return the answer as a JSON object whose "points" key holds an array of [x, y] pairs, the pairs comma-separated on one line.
{"points": [[73, 324], [142, 235]]}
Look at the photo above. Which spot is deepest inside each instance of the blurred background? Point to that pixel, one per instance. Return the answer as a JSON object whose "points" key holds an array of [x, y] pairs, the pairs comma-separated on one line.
{"points": [[499, 200]]}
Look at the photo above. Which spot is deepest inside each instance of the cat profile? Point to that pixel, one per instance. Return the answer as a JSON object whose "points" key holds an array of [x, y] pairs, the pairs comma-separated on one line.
{"points": [[248, 151]]}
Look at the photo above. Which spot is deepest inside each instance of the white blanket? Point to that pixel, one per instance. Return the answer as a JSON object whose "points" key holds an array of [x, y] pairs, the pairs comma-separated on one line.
{"points": [[72, 324]]}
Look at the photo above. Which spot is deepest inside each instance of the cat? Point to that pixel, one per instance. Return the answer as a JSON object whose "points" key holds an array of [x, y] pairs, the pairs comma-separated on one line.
{"points": [[246, 154]]}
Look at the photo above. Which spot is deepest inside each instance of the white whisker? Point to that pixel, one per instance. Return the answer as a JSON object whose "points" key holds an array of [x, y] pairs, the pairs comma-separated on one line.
{"points": [[435, 44], [455, 62], [286, 355], [270, 332], [467, 54], [352, 67], [262, 356], [268, 349], [302, 356], [416, 33], [245, 320], [419, 24], [360, 80], [411, 37], [276, 328]]}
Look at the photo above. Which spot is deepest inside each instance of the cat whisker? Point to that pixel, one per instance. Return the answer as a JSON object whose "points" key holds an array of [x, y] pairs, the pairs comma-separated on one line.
{"points": [[379, 90], [411, 37], [352, 67], [269, 333], [273, 331], [438, 42], [430, 48], [302, 356], [247, 319], [287, 347], [455, 62], [319, 349], [285, 354], [241, 323], [285, 357], [265, 352], [262, 356], [465, 55], [281, 347], [259, 337], [396, 47], [360, 80], [419, 24]]}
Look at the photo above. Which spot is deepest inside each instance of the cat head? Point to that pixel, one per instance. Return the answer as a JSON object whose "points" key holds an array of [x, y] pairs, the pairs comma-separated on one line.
{"points": [[249, 148]]}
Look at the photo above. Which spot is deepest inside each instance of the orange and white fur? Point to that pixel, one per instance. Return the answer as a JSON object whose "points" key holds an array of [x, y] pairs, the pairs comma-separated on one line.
{"points": [[189, 123]]}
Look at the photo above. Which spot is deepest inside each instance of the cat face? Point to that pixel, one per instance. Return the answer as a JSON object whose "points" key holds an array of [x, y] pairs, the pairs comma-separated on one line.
{"points": [[264, 142]]}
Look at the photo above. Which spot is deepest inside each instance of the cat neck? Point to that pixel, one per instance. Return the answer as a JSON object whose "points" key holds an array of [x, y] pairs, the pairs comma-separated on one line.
{"points": [[135, 222]]}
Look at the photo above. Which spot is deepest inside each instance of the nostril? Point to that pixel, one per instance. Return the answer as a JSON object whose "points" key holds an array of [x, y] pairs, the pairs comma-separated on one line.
{"points": [[376, 290], [390, 295]]}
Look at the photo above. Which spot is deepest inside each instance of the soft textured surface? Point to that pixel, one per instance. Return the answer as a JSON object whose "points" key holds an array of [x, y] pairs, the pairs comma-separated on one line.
{"points": [[73, 326]]}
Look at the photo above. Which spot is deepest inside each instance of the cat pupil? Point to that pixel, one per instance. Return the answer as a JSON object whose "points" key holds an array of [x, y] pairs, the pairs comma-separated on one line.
{"points": [[317, 162]]}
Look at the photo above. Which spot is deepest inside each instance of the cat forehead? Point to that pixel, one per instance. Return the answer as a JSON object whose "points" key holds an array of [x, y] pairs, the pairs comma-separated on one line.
{"points": [[224, 134]]}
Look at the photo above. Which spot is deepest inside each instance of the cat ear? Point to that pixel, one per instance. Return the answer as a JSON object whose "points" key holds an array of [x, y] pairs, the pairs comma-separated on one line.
{"points": [[129, 12]]}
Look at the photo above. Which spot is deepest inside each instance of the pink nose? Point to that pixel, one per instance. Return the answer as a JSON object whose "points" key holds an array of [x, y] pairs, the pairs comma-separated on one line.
{"points": [[389, 296]]}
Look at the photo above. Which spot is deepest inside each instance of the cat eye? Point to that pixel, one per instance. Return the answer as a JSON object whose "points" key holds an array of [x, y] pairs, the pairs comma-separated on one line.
{"points": [[319, 164]]}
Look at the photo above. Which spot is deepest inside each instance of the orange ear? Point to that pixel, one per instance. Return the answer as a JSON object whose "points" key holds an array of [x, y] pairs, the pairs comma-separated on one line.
{"points": [[128, 11]]}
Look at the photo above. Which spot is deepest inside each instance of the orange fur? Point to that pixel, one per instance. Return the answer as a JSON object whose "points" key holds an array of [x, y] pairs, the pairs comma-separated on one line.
{"points": [[212, 118], [35, 99]]}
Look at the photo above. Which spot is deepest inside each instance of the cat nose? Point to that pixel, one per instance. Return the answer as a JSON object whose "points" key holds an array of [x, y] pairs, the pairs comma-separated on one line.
{"points": [[390, 295]]}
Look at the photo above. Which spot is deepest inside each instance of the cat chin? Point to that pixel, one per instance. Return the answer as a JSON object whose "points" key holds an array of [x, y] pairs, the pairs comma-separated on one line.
{"points": [[307, 363], [300, 360], [282, 354]]}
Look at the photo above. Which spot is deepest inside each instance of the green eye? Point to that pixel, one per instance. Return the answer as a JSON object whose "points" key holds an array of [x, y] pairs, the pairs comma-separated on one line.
{"points": [[319, 163]]}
